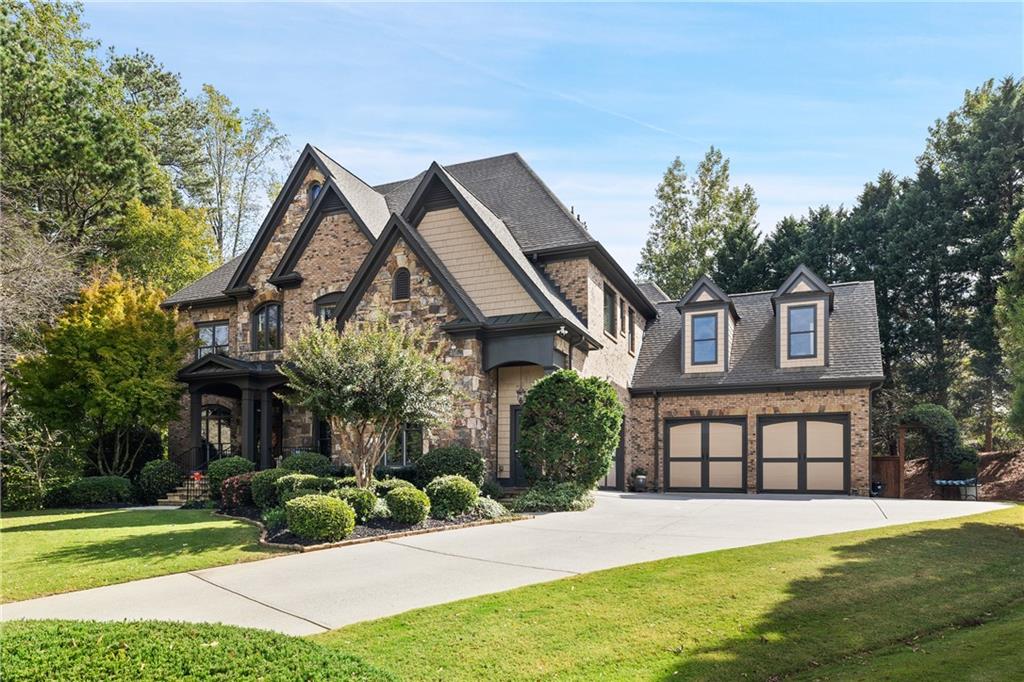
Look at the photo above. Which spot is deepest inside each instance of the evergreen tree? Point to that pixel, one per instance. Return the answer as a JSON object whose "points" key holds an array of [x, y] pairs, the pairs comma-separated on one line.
{"points": [[739, 262], [784, 250]]}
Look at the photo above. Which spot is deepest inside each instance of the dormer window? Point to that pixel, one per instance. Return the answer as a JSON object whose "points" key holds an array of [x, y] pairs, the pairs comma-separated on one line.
{"points": [[803, 333], [704, 338]]}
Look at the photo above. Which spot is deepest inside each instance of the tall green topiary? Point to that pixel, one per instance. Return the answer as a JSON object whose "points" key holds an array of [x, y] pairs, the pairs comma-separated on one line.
{"points": [[570, 428], [222, 469]]}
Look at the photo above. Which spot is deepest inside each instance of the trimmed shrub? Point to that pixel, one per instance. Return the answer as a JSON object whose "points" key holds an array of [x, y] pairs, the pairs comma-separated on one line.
{"points": [[57, 495], [451, 460], [553, 497], [408, 472], [319, 517], [237, 491], [264, 487], [451, 496], [361, 500], [570, 428], [382, 488], [100, 490], [19, 489], [346, 482], [274, 518], [307, 482], [492, 489], [157, 478], [487, 508], [307, 463], [408, 505], [221, 469]]}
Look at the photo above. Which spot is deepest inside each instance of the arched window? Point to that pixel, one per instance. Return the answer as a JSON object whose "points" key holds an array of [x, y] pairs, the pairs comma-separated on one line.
{"points": [[314, 192], [215, 423], [266, 327], [400, 287]]}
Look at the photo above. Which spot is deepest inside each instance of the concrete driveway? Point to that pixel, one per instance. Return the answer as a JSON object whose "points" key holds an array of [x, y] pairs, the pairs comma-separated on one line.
{"points": [[309, 593]]}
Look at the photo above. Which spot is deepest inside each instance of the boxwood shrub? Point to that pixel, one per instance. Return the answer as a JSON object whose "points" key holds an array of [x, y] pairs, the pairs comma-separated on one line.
{"points": [[237, 491], [360, 499], [408, 505], [320, 517], [19, 489], [346, 482], [93, 490], [451, 460], [451, 496], [264, 488], [147, 651], [309, 482], [157, 478], [382, 488], [407, 472], [552, 497], [224, 468], [307, 463]]}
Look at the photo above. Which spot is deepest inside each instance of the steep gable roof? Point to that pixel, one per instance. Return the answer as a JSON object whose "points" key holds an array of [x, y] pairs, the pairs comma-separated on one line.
{"points": [[207, 288], [855, 352], [368, 207], [803, 280]]}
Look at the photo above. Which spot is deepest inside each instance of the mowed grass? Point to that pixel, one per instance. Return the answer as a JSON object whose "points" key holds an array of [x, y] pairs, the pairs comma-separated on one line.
{"points": [[58, 551], [833, 607]]}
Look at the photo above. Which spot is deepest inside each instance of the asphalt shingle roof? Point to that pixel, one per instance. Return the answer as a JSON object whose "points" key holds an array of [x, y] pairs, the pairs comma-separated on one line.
{"points": [[210, 286], [854, 348], [653, 292]]}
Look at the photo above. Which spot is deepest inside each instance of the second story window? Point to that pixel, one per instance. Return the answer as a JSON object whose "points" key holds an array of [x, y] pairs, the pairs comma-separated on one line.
{"points": [[802, 331], [266, 327], [213, 338], [622, 316], [401, 286], [325, 311], [632, 330], [609, 310], [704, 335]]}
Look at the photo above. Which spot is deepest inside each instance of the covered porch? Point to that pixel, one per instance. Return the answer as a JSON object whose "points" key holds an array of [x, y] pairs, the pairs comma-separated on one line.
{"points": [[233, 410]]}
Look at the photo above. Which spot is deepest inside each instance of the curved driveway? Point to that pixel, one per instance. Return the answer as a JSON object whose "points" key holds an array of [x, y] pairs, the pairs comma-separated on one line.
{"points": [[308, 593]]}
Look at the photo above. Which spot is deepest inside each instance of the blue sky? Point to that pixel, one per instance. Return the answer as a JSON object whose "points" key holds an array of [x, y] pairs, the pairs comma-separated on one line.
{"points": [[809, 101]]}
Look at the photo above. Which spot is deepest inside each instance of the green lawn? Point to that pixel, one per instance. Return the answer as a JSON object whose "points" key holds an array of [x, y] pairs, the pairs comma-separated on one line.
{"points": [[58, 551], [836, 607]]}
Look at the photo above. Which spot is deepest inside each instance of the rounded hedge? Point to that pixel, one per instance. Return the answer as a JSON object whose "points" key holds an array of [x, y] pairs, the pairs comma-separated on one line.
{"points": [[451, 496], [100, 490], [308, 482], [570, 428], [221, 469], [382, 488], [408, 505], [157, 478], [264, 488], [451, 460], [237, 491], [361, 500], [346, 482], [19, 489], [554, 497], [148, 651], [320, 517], [307, 463]]}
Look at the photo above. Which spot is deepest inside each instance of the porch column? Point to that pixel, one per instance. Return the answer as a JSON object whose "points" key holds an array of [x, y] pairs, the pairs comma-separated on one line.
{"points": [[266, 417], [248, 424], [195, 429]]}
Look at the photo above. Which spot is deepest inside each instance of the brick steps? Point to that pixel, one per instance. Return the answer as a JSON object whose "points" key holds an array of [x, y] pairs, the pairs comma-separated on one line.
{"points": [[188, 492]]}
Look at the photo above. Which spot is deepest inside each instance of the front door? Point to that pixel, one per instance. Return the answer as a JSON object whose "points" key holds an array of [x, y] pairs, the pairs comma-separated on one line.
{"points": [[518, 477]]}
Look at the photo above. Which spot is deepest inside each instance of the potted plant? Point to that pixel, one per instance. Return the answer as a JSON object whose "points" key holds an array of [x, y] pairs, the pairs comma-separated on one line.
{"points": [[639, 480]]}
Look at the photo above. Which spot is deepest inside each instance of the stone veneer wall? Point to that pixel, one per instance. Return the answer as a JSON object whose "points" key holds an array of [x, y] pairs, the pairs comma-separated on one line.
{"points": [[474, 423], [640, 430]]}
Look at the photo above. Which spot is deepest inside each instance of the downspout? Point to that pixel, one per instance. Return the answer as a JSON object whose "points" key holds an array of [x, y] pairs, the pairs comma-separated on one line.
{"points": [[871, 434], [657, 445]]}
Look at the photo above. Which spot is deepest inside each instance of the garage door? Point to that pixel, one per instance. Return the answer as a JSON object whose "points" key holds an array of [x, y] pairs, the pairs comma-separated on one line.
{"points": [[805, 454], [706, 455]]}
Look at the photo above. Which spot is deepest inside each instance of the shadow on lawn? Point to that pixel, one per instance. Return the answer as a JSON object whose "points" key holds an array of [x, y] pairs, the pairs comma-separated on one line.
{"points": [[951, 576], [157, 546], [118, 518]]}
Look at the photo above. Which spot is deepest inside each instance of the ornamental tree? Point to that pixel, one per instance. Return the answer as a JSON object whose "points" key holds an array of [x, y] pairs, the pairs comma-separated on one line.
{"points": [[367, 381], [106, 370], [569, 428]]}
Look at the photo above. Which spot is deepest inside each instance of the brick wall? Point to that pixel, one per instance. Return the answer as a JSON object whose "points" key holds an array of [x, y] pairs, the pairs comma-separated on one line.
{"points": [[640, 431]]}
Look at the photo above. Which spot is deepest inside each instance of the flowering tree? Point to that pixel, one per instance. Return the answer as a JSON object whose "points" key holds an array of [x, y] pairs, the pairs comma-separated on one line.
{"points": [[367, 382]]}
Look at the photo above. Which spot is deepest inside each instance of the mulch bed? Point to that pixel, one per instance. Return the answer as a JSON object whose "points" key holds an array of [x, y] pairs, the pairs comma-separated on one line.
{"points": [[374, 529], [1000, 477]]}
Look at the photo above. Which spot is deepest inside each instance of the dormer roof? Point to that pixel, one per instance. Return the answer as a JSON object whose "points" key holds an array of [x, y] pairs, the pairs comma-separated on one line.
{"points": [[705, 292], [804, 281]]}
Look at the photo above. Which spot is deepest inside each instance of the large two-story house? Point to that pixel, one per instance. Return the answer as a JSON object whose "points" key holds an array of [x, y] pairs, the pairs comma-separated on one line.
{"points": [[767, 391]]}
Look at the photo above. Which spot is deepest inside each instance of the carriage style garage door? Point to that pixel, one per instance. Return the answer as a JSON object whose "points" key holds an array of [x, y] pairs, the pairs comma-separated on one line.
{"points": [[706, 455], [803, 454]]}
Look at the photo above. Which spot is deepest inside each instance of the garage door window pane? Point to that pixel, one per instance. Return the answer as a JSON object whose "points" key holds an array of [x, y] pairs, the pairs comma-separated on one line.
{"points": [[779, 440], [824, 439]]}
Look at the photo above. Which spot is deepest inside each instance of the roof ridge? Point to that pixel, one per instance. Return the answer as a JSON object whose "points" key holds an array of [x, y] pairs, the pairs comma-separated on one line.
{"points": [[335, 161]]}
